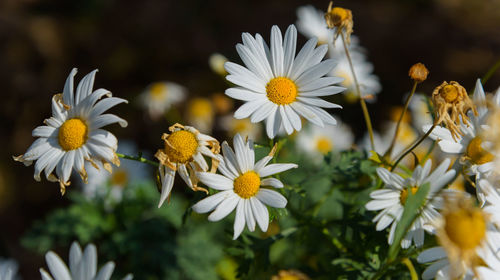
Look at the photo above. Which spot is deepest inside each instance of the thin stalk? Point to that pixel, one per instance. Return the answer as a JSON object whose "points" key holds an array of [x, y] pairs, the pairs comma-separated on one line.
{"points": [[139, 159], [361, 99], [413, 146], [490, 72], [405, 108], [411, 268]]}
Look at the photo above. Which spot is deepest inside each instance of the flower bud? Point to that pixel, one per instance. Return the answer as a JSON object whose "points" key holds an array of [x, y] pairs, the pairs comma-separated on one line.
{"points": [[418, 72]]}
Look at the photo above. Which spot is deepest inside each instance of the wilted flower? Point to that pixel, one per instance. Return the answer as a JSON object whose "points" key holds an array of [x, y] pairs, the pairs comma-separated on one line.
{"points": [[339, 19]]}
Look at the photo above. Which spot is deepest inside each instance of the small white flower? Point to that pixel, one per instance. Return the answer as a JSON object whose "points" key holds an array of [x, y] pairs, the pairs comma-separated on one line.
{"points": [[317, 142], [183, 152], [244, 127], [420, 112], [392, 198], [160, 96], [240, 187], [312, 24], [8, 269], [278, 86], [82, 265], [200, 113], [73, 134], [216, 62], [128, 172]]}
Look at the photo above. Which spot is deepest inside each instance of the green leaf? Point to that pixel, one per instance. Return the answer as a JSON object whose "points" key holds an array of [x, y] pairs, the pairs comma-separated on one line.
{"points": [[413, 206]]}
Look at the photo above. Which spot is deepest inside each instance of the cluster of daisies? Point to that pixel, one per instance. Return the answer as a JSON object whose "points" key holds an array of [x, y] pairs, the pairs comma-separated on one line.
{"points": [[281, 86]]}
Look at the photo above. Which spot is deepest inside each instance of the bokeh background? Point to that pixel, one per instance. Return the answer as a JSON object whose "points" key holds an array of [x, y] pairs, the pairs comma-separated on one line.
{"points": [[134, 43]]}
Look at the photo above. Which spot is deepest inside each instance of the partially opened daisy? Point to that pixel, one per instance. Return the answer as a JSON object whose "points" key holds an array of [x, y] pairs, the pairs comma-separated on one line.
{"points": [[278, 86], [469, 243], [158, 97], [392, 198], [241, 186], [184, 150], [73, 134], [82, 265]]}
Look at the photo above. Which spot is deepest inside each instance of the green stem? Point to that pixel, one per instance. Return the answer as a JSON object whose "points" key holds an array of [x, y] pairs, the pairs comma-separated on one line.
{"points": [[361, 99], [413, 146], [139, 159], [405, 108], [411, 268], [490, 72]]}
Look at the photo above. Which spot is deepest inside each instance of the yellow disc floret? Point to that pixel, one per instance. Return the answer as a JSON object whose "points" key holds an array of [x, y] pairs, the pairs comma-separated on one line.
{"points": [[466, 228], [72, 134], [247, 184], [403, 196], [449, 93], [119, 178], [323, 145], [158, 91], [200, 108], [180, 146], [281, 91], [476, 153]]}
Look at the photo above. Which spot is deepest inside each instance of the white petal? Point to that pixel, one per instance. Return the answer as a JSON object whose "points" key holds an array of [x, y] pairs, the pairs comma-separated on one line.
{"points": [[75, 256], [224, 208], [89, 262], [378, 204], [106, 119], [215, 181], [263, 112], [167, 176], [307, 113], [44, 131], [271, 198], [249, 218], [285, 120], [273, 124], [85, 86], [239, 221], [45, 275], [302, 58], [243, 94], [106, 271], [68, 89], [57, 267], [249, 108], [318, 102], [293, 118], [209, 203], [276, 168], [316, 71], [290, 44], [105, 104], [273, 182], [321, 83], [277, 51], [260, 213]]}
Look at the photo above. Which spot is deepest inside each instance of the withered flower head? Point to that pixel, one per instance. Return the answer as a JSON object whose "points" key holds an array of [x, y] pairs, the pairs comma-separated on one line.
{"points": [[452, 102], [418, 72], [341, 19]]}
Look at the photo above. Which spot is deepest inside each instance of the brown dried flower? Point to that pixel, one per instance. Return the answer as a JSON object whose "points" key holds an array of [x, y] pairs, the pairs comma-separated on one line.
{"points": [[452, 102], [418, 72], [341, 19]]}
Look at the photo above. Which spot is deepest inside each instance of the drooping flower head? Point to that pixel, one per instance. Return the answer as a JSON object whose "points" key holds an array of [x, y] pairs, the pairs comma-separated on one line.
{"points": [[278, 86], [339, 19], [242, 186], [73, 134], [184, 150]]}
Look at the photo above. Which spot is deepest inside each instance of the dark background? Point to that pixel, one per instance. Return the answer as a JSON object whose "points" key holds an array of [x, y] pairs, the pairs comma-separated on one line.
{"points": [[134, 43]]}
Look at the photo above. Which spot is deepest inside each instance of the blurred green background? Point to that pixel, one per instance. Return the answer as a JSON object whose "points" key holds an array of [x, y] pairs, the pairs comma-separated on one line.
{"points": [[134, 43]]}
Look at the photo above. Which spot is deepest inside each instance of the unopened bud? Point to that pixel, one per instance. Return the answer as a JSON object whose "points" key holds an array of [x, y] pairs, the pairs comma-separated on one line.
{"points": [[418, 72]]}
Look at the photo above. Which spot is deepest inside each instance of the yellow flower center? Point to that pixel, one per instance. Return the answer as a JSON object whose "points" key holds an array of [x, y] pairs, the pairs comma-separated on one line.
{"points": [[200, 108], [466, 228], [338, 15], [72, 134], [247, 184], [289, 277], [181, 146], [476, 153], [403, 196], [323, 145], [119, 178], [281, 91], [449, 93], [158, 91]]}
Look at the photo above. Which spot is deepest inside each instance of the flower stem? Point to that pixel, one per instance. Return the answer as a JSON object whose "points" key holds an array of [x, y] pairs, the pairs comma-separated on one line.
{"points": [[361, 99], [413, 146], [411, 268], [138, 158], [405, 108]]}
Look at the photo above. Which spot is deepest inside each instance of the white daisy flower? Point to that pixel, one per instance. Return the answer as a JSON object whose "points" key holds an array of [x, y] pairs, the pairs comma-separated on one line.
{"points": [[244, 127], [184, 150], [476, 160], [469, 242], [200, 113], [128, 172], [392, 198], [311, 23], [317, 142], [8, 269], [158, 97], [82, 265], [278, 86], [240, 187], [73, 134], [368, 82]]}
